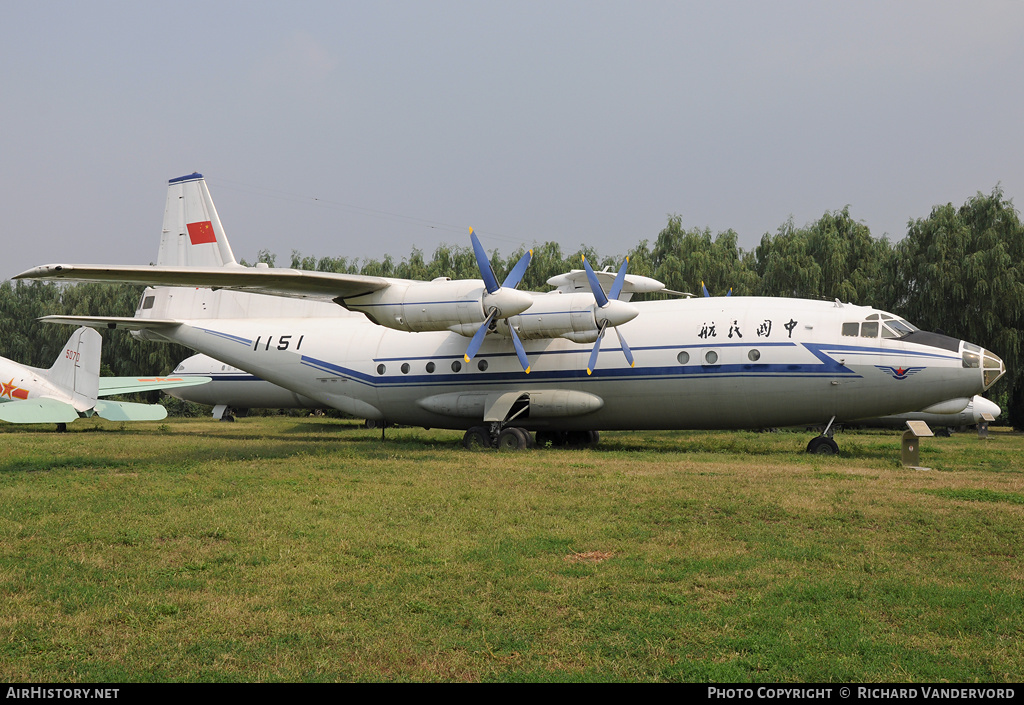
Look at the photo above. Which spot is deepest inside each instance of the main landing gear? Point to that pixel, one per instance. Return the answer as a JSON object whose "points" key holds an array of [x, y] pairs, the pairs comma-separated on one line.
{"points": [[508, 438], [823, 444], [516, 438]]}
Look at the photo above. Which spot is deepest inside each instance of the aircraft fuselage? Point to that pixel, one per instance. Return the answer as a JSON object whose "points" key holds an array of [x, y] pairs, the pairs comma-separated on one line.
{"points": [[737, 362]]}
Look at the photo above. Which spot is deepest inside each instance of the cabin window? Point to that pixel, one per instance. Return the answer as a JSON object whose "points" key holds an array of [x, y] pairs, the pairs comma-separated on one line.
{"points": [[456, 366], [482, 365], [711, 357], [851, 329], [381, 369], [405, 368], [869, 329], [147, 302], [683, 357], [754, 355], [430, 367]]}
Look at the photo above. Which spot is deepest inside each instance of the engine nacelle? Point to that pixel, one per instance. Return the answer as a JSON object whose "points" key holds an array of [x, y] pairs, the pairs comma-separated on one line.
{"points": [[442, 304], [574, 317]]}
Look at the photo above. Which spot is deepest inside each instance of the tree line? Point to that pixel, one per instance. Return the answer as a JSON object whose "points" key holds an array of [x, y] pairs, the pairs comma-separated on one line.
{"points": [[959, 271]]}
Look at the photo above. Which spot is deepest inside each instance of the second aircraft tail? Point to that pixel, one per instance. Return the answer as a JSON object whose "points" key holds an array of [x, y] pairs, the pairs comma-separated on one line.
{"points": [[77, 368]]}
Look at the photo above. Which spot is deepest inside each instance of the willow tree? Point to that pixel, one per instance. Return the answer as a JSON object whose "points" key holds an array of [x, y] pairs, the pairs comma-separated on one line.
{"points": [[682, 259], [834, 257], [961, 271]]}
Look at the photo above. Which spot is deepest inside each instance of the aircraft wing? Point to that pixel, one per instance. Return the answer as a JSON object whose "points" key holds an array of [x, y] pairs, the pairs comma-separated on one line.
{"points": [[38, 411], [326, 286], [129, 385]]}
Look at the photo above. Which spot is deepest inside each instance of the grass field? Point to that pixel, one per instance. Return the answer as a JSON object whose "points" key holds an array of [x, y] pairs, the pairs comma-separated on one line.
{"points": [[304, 549]]}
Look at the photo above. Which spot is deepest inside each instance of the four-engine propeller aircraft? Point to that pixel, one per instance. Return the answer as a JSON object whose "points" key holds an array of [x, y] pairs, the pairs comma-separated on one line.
{"points": [[232, 390], [531, 359], [70, 388]]}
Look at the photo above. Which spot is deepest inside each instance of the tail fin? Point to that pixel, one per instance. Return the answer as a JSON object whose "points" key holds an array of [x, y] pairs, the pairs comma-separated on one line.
{"points": [[77, 368], [192, 234]]}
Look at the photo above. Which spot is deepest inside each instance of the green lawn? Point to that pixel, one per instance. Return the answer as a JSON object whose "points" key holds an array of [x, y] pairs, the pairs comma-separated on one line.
{"points": [[305, 549]]}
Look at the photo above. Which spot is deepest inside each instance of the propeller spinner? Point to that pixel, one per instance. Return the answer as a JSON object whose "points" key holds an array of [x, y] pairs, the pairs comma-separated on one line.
{"points": [[501, 301]]}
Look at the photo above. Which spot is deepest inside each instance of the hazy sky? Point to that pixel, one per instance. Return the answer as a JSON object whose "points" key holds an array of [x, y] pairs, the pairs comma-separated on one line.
{"points": [[366, 128]]}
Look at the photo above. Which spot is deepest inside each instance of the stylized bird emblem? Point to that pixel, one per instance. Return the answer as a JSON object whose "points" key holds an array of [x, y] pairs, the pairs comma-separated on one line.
{"points": [[899, 372]]}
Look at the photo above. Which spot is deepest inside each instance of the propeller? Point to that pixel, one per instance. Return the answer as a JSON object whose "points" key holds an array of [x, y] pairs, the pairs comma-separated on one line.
{"points": [[501, 301], [609, 312], [705, 289]]}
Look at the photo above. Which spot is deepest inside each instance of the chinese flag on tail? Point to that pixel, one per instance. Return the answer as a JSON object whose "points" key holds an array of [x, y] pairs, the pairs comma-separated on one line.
{"points": [[201, 233]]}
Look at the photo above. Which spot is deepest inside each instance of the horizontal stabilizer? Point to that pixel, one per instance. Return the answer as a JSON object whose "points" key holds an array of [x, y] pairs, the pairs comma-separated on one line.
{"points": [[38, 411], [128, 411], [129, 385], [112, 322], [261, 280]]}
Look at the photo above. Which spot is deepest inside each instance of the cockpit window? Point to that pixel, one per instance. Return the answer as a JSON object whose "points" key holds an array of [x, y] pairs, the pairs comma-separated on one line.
{"points": [[890, 326], [897, 328]]}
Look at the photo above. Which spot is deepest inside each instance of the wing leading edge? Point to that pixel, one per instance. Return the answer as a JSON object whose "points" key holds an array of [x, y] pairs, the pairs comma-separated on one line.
{"points": [[327, 286]]}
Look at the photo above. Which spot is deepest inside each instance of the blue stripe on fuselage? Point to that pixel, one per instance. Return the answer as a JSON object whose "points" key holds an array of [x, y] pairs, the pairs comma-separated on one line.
{"points": [[821, 351]]}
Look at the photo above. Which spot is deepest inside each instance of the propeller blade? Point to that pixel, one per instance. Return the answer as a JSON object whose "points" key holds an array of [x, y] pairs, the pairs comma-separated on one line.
{"points": [[729, 293], [516, 275], [478, 337], [595, 285], [520, 352], [592, 363], [705, 289], [625, 348], [620, 279], [486, 273]]}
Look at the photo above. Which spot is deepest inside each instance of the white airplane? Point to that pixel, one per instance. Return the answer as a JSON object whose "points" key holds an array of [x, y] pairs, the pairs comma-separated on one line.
{"points": [[952, 413], [500, 363], [232, 390], [71, 388]]}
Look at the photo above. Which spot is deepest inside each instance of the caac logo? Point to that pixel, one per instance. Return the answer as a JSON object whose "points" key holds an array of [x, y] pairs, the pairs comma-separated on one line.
{"points": [[899, 372], [13, 391]]}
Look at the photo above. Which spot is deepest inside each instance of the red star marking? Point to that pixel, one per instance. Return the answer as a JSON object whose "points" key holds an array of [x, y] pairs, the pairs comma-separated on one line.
{"points": [[8, 388]]}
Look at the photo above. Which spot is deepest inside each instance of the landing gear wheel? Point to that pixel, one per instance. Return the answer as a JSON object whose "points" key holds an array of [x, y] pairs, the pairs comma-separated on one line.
{"points": [[477, 438], [545, 438], [513, 438], [822, 445]]}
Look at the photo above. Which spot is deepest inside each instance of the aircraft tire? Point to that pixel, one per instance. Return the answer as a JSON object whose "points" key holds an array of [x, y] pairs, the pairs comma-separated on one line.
{"points": [[477, 438], [822, 445], [513, 438], [544, 438]]}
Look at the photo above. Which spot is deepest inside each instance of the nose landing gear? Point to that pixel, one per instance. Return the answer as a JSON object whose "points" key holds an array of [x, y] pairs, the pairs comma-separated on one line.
{"points": [[823, 444]]}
